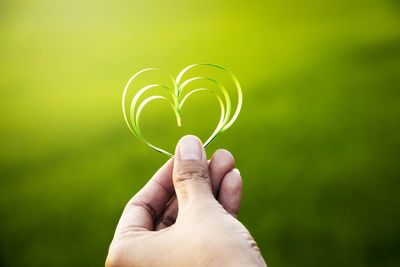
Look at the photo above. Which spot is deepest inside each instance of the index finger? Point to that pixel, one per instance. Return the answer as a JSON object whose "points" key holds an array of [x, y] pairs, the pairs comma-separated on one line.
{"points": [[146, 206]]}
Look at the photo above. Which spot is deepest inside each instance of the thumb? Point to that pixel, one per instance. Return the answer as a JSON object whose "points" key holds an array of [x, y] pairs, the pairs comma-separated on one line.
{"points": [[191, 175]]}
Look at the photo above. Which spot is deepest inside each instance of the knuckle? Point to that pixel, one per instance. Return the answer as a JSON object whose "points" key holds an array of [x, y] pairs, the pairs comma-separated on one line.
{"points": [[191, 171], [144, 205], [221, 162], [225, 154]]}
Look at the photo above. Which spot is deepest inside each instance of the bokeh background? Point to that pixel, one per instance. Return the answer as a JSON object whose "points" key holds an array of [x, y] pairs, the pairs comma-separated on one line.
{"points": [[317, 141]]}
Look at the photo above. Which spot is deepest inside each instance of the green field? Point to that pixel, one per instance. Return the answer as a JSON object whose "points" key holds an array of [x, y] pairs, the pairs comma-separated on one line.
{"points": [[317, 142]]}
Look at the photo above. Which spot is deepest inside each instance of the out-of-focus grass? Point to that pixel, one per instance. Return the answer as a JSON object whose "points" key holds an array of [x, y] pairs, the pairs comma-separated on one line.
{"points": [[317, 141]]}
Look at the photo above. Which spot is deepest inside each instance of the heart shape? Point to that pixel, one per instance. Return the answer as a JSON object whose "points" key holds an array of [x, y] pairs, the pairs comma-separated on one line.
{"points": [[225, 121]]}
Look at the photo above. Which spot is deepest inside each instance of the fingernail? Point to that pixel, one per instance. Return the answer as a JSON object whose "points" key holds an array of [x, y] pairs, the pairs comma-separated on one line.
{"points": [[190, 148], [236, 171]]}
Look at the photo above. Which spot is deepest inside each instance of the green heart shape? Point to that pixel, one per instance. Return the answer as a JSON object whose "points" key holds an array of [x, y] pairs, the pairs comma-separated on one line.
{"points": [[226, 120]]}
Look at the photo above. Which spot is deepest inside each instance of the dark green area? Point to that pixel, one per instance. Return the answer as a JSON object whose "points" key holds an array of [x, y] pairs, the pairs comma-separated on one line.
{"points": [[317, 141]]}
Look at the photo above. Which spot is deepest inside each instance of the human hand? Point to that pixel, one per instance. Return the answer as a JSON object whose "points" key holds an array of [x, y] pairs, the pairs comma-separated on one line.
{"points": [[198, 227]]}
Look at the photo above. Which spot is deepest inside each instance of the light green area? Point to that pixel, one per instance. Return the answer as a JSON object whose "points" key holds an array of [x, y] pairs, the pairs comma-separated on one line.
{"points": [[317, 141]]}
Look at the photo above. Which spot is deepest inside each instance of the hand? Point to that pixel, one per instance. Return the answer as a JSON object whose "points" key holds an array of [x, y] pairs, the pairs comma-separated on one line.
{"points": [[193, 228]]}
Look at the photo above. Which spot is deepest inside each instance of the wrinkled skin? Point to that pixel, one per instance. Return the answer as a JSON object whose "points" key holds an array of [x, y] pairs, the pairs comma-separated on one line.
{"points": [[186, 215]]}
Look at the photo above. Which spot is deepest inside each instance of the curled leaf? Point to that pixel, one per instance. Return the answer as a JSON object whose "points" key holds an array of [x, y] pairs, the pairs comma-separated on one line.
{"points": [[132, 115]]}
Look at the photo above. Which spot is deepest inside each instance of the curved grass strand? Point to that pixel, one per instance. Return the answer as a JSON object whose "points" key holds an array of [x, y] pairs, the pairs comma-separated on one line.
{"points": [[137, 120], [141, 92], [223, 90], [222, 117], [129, 83], [235, 80], [225, 121]]}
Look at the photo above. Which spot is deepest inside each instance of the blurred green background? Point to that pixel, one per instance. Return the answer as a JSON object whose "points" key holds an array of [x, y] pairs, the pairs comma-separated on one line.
{"points": [[317, 141]]}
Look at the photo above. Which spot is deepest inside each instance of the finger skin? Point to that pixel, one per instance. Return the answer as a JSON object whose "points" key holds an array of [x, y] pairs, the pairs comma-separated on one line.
{"points": [[146, 206], [230, 193], [220, 163], [168, 218], [191, 176]]}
